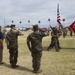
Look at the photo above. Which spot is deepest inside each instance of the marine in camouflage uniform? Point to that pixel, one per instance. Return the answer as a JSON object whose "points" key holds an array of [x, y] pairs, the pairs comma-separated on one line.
{"points": [[54, 39], [64, 32], [12, 45], [34, 43]]}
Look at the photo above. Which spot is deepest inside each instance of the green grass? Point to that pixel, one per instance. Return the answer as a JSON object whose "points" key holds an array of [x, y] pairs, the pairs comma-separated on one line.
{"points": [[52, 62]]}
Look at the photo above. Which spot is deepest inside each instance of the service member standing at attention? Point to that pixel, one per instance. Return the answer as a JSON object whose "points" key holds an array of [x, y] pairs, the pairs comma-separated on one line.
{"points": [[34, 43], [1, 46], [12, 45]]}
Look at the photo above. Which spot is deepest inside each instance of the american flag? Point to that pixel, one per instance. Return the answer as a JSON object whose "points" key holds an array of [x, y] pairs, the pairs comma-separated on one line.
{"points": [[58, 18]]}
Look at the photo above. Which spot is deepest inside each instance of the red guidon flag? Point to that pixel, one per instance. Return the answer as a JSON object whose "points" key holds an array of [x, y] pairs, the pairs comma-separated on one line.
{"points": [[72, 26]]}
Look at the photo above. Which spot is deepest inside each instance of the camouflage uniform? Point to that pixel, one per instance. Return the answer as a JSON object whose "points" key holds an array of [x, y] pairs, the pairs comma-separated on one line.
{"points": [[36, 47], [54, 40], [70, 33], [59, 34], [64, 32], [12, 45]]}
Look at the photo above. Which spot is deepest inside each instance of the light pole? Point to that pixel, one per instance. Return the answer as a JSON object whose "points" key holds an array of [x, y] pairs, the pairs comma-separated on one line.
{"points": [[20, 23], [4, 23], [39, 22], [12, 21], [29, 23], [49, 21], [63, 22]]}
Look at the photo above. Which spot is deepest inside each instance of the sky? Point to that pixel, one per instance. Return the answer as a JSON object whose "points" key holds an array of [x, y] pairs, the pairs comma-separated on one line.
{"points": [[36, 10]]}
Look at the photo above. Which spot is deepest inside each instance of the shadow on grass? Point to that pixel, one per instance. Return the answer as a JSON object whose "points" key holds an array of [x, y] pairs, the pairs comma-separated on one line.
{"points": [[68, 48], [45, 48], [21, 68]]}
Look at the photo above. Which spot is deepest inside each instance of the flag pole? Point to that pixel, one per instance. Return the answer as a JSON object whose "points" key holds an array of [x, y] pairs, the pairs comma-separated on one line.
{"points": [[58, 18], [4, 23]]}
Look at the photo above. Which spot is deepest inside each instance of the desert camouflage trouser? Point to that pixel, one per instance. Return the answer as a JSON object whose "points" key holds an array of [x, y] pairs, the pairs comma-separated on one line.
{"points": [[36, 59]]}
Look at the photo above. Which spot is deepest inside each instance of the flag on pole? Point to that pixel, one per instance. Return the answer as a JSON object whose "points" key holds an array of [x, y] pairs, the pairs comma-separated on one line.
{"points": [[58, 18], [72, 26]]}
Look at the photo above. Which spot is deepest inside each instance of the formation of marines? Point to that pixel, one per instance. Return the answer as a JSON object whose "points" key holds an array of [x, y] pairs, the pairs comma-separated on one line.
{"points": [[34, 43]]}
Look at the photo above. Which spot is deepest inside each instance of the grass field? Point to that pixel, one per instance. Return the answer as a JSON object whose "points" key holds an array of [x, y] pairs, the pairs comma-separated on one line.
{"points": [[52, 63]]}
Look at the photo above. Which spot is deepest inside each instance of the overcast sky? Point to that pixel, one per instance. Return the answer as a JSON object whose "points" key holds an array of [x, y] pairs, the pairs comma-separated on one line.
{"points": [[35, 10]]}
